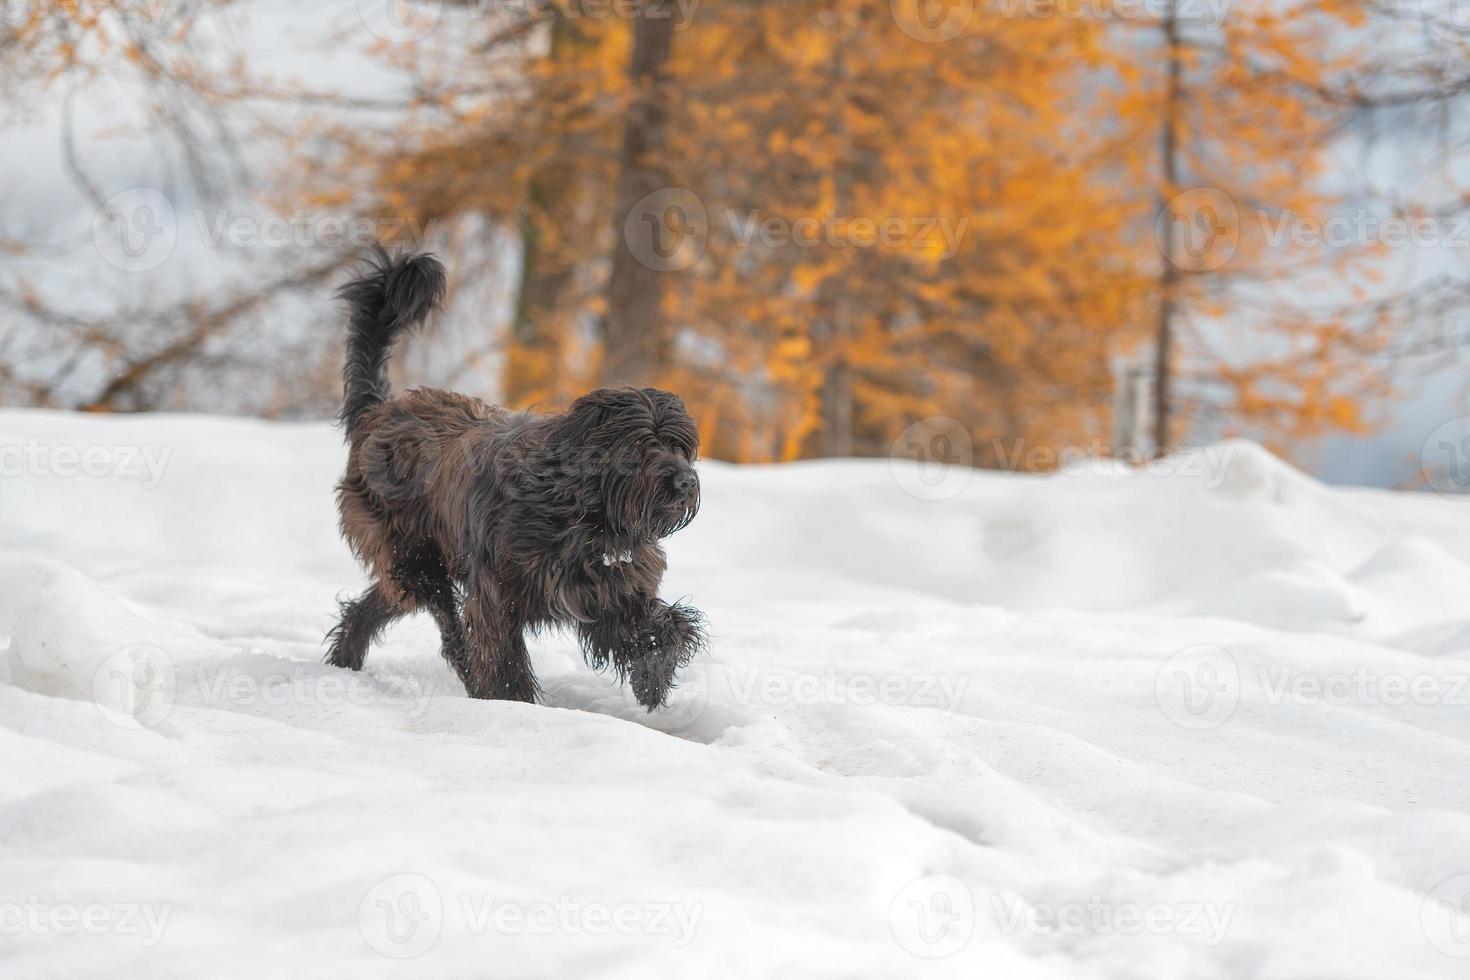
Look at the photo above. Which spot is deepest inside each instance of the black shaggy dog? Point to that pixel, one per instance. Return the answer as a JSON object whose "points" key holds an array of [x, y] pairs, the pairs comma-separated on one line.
{"points": [[521, 521]]}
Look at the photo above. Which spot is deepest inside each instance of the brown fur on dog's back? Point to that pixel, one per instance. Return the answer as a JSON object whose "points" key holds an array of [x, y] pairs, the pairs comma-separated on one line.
{"points": [[409, 469]]}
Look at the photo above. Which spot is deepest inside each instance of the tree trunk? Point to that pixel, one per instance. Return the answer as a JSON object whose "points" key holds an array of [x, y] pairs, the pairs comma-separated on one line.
{"points": [[837, 382], [534, 360], [533, 363], [1169, 273], [837, 436], [635, 345]]}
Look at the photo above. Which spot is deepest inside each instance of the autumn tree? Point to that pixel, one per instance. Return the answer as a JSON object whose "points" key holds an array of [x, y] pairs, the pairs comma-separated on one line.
{"points": [[122, 341], [1233, 126], [823, 221], [960, 259]]}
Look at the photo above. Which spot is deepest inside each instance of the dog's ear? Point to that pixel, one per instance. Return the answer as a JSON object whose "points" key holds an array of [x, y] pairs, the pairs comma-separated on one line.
{"points": [[597, 398], [665, 403], [598, 414], [593, 409], [673, 419]]}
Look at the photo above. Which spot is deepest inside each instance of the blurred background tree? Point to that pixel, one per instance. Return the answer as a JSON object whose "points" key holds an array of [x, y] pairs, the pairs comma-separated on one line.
{"points": [[820, 221], [80, 333]]}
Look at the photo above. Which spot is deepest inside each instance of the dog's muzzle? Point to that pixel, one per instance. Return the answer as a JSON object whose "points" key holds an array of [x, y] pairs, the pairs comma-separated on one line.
{"points": [[684, 483]]}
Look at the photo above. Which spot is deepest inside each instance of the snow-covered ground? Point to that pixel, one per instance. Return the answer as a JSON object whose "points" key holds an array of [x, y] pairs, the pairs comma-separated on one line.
{"points": [[1210, 722]]}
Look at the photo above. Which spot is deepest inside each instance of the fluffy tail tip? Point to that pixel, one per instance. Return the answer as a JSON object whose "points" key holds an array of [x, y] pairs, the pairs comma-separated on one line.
{"points": [[401, 289]]}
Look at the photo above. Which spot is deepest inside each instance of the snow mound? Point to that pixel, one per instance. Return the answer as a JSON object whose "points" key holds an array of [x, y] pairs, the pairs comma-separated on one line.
{"points": [[1202, 718], [1305, 596], [69, 638]]}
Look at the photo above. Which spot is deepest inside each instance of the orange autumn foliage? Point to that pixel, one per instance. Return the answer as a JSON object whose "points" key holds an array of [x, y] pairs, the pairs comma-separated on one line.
{"points": [[893, 220]]}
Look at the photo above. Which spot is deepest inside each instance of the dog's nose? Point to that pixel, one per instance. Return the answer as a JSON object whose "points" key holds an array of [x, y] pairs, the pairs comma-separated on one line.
{"points": [[684, 482]]}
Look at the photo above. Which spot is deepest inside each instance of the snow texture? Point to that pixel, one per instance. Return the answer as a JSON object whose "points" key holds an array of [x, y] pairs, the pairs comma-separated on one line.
{"points": [[1210, 720]]}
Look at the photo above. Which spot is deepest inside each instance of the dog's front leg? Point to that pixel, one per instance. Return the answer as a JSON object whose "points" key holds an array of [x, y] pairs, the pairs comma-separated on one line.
{"points": [[668, 638], [647, 641], [498, 665]]}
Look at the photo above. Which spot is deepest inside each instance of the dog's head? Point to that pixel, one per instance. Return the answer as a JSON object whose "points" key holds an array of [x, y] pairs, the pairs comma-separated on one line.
{"points": [[637, 448]]}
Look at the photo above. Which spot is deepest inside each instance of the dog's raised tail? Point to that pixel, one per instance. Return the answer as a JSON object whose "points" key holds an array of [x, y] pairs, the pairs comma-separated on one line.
{"points": [[394, 295]]}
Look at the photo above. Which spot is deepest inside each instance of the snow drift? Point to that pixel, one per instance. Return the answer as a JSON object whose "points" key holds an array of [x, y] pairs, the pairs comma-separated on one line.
{"points": [[1208, 720]]}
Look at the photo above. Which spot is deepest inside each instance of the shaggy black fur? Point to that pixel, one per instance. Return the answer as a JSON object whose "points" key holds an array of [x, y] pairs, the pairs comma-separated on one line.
{"points": [[499, 522]]}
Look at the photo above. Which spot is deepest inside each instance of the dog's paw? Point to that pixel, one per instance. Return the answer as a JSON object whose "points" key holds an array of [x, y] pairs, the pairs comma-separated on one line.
{"points": [[651, 679]]}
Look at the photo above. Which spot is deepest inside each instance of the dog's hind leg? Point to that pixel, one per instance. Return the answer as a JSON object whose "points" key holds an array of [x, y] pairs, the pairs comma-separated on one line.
{"points": [[424, 579], [363, 619], [444, 605]]}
